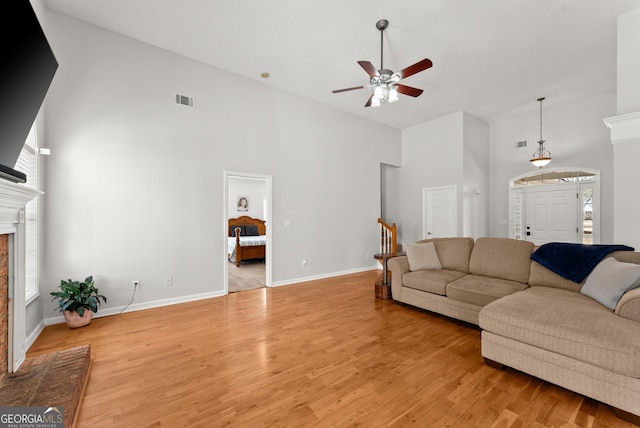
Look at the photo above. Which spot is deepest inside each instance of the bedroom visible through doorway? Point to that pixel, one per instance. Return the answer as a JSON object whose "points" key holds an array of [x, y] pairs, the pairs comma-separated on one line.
{"points": [[247, 209]]}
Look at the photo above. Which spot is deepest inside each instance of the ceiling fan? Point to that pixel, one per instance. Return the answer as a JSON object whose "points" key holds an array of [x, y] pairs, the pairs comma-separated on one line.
{"points": [[383, 83]]}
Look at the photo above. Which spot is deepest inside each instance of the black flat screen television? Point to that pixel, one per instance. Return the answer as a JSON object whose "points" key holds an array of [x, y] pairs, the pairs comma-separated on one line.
{"points": [[26, 71]]}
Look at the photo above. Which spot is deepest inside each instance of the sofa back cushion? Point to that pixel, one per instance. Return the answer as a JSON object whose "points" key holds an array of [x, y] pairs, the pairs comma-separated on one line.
{"points": [[501, 258], [541, 276], [453, 253]]}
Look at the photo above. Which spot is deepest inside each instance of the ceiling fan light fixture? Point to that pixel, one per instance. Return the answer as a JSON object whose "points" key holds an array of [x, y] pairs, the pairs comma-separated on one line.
{"points": [[392, 96], [542, 156], [383, 83]]}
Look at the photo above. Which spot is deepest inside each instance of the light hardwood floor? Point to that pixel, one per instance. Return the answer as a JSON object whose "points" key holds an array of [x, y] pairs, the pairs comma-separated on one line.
{"points": [[323, 353]]}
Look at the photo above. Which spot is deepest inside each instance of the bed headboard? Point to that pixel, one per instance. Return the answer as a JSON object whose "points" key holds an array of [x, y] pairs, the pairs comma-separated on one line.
{"points": [[247, 221]]}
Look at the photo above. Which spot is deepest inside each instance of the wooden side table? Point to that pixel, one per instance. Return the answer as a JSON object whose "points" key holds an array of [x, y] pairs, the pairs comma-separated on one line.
{"points": [[383, 288]]}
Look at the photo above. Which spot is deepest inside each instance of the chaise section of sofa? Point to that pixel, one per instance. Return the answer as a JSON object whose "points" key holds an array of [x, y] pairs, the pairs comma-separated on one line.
{"points": [[553, 331]]}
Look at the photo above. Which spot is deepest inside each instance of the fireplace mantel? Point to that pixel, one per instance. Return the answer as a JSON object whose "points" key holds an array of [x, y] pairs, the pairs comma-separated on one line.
{"points": [[13, 199]]}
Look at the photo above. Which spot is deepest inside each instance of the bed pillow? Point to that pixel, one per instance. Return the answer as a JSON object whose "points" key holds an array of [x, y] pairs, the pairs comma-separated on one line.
{"points": [[422, 256], [232, 230], [251, 230], [609, 280]]}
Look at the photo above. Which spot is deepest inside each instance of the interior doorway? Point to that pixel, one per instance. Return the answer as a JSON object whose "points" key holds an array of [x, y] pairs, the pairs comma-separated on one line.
{"points": [[439, 212], [247, 195]]}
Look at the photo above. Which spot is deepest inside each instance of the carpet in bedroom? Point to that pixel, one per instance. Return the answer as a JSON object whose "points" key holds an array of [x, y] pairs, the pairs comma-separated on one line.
{"points": [[250, 275]]}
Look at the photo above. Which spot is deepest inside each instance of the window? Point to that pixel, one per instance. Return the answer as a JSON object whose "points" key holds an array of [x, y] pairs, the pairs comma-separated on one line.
{"points": [[28, 163]]}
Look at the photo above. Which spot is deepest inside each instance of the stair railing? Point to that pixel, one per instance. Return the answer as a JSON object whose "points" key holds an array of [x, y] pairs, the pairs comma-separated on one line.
{"points": [[388, 237]]}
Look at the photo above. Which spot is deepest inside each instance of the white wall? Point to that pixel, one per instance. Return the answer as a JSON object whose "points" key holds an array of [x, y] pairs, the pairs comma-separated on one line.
{"points": [[134, 185], [452, 150], [576, 136], [432, 154], [628, 62], [475, 191], [627, 151], [254, 190]]}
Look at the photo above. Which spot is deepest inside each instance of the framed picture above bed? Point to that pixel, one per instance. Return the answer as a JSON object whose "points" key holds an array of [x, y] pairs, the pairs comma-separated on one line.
{"points": [[243, 203]]}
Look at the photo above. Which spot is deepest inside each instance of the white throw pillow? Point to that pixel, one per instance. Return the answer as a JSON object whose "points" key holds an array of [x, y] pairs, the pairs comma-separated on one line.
{"points": [[609, 280], [422, 256]]}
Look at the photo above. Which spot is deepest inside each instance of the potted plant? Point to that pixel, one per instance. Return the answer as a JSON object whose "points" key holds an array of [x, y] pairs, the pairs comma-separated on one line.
{"points": [[78, 301]]}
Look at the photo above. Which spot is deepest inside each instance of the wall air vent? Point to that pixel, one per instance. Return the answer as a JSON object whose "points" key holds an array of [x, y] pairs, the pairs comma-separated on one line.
{"points": [[185, 100], [521, 144]]}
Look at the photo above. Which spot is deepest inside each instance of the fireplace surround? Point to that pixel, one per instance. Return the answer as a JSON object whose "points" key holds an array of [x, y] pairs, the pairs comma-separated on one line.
{"points": [[13, 199]]}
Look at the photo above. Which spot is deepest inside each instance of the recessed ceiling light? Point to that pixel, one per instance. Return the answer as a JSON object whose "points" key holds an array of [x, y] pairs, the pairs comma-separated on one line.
{"points": [[264, 75]]}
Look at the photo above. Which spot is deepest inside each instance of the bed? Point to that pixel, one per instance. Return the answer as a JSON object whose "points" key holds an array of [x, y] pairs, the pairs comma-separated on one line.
{"points": [[247, 239]]}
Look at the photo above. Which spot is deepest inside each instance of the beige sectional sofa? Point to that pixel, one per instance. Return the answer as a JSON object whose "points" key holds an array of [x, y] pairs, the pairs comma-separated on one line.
{"points": [[532, 319]]}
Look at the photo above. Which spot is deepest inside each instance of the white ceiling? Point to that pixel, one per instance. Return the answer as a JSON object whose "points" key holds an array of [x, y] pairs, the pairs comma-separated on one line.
{"points": [[491, 58]]}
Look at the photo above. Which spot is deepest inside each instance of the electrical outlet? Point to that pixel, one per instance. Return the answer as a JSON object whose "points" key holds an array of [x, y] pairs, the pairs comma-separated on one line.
{"points": [[135, 284], [168, 280]]}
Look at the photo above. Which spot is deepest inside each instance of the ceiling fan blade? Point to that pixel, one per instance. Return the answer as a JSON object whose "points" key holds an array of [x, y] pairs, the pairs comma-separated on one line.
{"points": [[415, 68], [369, 68], [408, 90], [347, 89], [368, 104]]}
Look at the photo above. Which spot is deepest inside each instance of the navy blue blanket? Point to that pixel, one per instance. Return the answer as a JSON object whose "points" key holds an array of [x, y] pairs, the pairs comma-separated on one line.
{"points": [[573, 261]]}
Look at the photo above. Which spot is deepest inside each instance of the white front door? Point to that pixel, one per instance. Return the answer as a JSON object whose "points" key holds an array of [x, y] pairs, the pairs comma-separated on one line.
{"points": [[551, 214], [439, 212]]}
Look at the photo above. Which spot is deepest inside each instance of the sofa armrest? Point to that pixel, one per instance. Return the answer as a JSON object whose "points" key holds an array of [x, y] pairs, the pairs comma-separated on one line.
{"points": [[398, 266], [629, 305]]}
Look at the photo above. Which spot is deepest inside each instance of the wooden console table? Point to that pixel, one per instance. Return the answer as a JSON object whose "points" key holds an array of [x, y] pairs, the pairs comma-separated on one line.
{"points": [[383, 288]]}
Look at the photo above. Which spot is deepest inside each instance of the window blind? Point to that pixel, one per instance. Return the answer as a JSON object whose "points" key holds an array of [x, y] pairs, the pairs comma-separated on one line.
{"points": [[28, 164]]}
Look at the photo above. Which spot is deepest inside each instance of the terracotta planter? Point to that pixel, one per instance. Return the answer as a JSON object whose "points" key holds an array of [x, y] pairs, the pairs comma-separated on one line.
{"points": [[74, 320]]}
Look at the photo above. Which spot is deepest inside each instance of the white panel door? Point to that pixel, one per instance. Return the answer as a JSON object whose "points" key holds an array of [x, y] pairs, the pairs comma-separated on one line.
{"points": [[439, 212], [552, 214]]}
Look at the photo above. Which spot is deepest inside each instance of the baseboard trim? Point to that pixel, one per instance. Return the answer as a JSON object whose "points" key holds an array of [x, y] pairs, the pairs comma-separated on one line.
{"points": [[34, 334], [140, 306], [324, 276], [183, 299]]}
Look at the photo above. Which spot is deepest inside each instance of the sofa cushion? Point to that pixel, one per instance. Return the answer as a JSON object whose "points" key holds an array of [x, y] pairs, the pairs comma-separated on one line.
{"points": [[453, 253], [609, 280], [541, 276], [567, 323], [422, 256], [502, 258], [481, 290], [433, 281]]}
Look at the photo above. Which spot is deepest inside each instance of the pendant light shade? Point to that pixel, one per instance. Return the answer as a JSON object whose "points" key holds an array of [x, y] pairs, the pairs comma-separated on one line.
{"points": [[542, 156]]}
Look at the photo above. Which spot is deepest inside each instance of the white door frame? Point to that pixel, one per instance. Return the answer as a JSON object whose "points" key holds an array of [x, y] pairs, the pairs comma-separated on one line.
{"points": [[425, 211], [268, 181]]}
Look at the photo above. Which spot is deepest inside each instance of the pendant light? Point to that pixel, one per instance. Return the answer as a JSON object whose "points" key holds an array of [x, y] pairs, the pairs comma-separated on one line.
{"points": [[542, 156]]}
